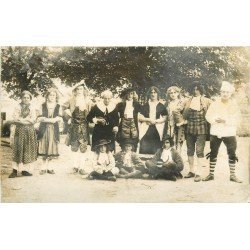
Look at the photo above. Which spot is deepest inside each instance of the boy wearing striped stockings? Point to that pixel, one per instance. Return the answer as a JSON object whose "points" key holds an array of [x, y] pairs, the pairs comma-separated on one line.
{"points": [[223, 115]]}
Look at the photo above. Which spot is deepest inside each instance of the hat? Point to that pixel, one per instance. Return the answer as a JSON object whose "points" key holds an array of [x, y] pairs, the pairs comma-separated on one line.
{"points": [[102, 142], [227, 86], [126, 91]]}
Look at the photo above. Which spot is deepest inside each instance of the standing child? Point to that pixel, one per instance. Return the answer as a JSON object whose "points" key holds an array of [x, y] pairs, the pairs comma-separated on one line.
{"points": [[50, 115], [103, 163], [24, 143]]}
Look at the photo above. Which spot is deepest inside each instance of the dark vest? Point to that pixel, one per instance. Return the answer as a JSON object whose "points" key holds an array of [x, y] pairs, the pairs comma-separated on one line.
{"points": [[42, 126], [137, 108]]}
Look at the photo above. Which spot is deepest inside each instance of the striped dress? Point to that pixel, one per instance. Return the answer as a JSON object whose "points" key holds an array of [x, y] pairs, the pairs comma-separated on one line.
{"points": [[25, 142]]}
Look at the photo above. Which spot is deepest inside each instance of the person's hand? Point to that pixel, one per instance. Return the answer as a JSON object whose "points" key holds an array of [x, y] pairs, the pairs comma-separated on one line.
{"points": [[101, 121], [152, 121], [115, 129], [69, 121], [219, 120]]}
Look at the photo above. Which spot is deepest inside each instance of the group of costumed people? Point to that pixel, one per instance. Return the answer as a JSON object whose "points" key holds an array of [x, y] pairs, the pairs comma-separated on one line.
{"points": [[154, 129]]}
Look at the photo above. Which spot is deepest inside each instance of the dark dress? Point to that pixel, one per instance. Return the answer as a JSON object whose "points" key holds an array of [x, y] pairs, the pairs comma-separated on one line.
{"points": [[151, 141], [103, 131], [25, 141], [128, 127], [48, 133]]}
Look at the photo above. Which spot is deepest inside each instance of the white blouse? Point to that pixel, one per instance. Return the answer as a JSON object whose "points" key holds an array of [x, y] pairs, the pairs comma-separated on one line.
{"points": [[166, 155], [129, 109], [152, 109]]}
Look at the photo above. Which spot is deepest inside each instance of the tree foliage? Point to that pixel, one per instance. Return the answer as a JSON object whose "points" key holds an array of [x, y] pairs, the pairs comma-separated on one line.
{"points": [[33, 68]]}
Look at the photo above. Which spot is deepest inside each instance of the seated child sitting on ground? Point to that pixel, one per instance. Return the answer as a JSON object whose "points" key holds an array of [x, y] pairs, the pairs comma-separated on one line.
{"points": [[103, 163], [128, 162], [166, 163]]}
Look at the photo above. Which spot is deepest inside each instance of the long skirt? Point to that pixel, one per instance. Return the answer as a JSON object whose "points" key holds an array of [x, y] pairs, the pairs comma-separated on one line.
{"points": [[25, 144], [151, 141], [48, 146]]}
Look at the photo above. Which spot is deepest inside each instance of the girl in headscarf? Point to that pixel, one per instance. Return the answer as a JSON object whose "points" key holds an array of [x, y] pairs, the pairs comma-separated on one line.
{"points": [[24, 149]]}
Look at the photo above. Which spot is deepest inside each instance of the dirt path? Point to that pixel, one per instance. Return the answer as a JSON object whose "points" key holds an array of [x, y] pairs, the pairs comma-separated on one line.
{"points": [[65, 186]]}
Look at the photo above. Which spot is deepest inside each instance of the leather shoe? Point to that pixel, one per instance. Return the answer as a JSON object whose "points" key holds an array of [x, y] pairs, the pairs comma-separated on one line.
{"points": [[235, 179], [210, 177], [172, 178], [179, 175], [190, 175], [42, 172], [50, 171], [13, 174], [26, 173], [197, 178]]}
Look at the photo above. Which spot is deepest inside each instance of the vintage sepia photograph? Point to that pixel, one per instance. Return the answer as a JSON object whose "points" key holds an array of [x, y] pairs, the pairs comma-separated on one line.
{"points": [[125, 124]]}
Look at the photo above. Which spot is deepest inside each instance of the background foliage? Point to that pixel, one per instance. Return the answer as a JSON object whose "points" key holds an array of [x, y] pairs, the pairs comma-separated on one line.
{"points": [[33, 68]]}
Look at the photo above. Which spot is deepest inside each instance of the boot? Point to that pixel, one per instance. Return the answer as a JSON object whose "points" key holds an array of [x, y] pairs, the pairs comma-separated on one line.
{"points": [[13, 174]]}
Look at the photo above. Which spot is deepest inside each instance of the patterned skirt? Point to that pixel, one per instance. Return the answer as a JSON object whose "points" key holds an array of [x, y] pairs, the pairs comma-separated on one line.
{"points": [[25, 144], [48, 146]]}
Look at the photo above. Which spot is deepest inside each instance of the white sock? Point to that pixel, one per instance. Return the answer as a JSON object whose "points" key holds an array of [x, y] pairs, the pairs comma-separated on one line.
{"points": [[44, 165], [191, 163], [50, 165], [75, 157], [82, 159]]}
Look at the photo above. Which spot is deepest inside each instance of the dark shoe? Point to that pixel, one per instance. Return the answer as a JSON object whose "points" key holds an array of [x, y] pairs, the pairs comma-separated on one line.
{"points": [[178, 175], [234, 178], [197, 178], [75, 170], [210, 177], [13, 174], [50, 171], [112, 178], [190, 175], [26, 173], [42, 172], [172, 178]]}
